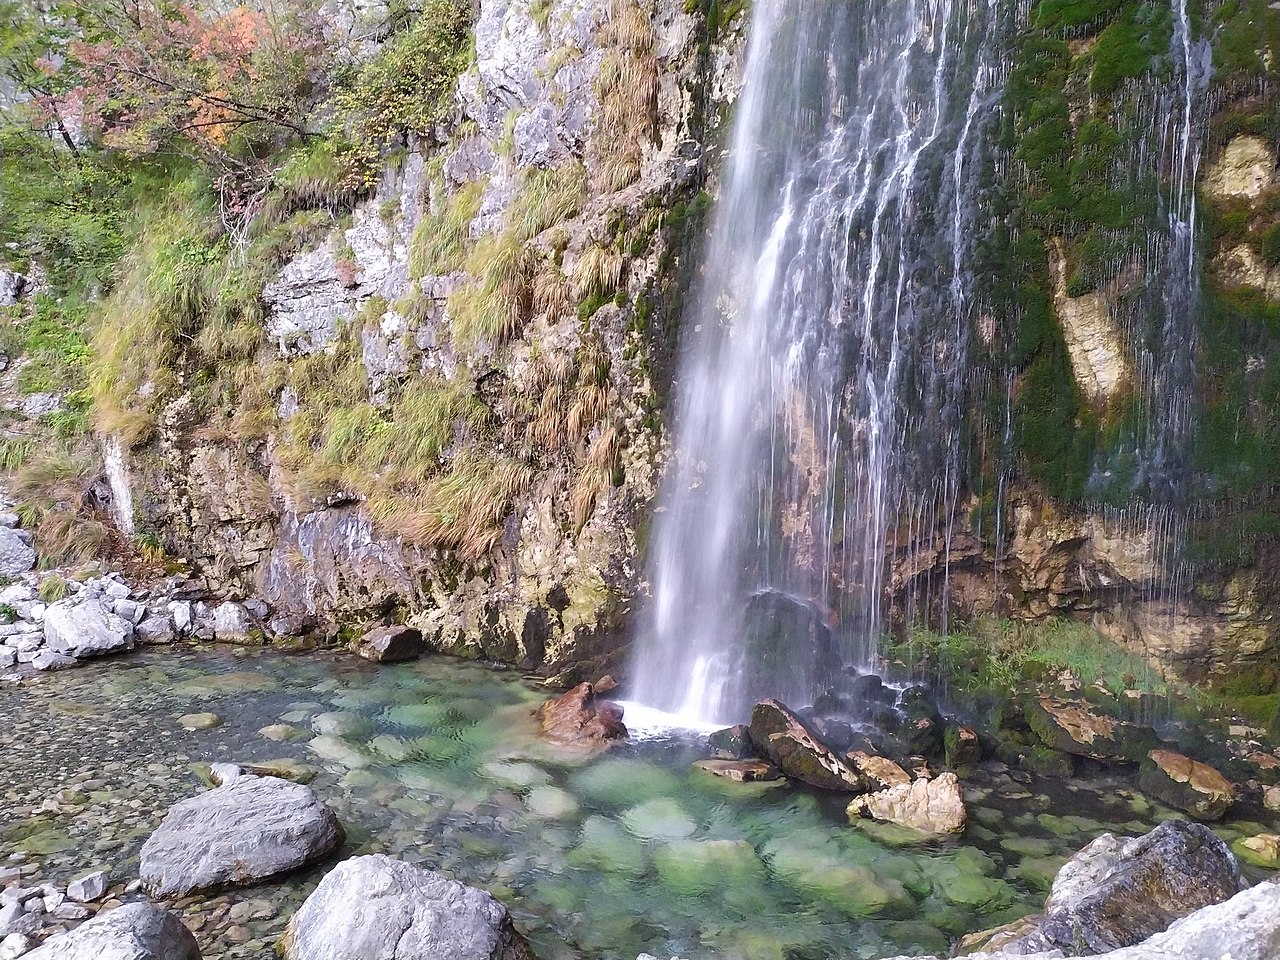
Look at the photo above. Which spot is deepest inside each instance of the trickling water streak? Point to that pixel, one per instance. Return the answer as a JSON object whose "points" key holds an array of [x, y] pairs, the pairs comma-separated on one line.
{"points": [[820, 397]]}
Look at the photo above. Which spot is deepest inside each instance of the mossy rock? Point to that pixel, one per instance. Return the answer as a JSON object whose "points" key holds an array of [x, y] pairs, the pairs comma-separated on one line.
{"points": [[604, 847], [1262, 850], [1078, 728], [1196, 789], [661, 818], [623, 782], [823, 871]]}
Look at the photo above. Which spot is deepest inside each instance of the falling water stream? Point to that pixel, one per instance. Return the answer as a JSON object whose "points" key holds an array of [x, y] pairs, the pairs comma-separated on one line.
{"points": [[822, 386], [825, 376]]}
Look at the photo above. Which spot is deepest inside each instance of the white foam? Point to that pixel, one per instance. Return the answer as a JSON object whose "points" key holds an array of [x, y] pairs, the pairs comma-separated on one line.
{"points": [[649, 723]]}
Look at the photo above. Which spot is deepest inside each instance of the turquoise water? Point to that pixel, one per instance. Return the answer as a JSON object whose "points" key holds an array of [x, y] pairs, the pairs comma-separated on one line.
{"points": [[634, 851]]}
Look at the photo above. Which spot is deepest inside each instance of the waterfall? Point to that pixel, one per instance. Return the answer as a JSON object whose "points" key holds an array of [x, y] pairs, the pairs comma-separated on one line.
{"points": [[822, 383]]}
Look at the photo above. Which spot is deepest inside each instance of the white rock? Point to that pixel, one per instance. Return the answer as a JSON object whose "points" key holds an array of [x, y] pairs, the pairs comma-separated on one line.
{"points": [[48, 660], [14, 946], [85, 628], [231, 621], [136, 931], [16, 553], [9, 519], [88, 888], [8, 657], [181, 613], [156, 629]]}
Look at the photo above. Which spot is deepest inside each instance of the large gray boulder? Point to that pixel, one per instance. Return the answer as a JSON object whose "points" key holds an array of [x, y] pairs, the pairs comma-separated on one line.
{"points": [[238, 834], [1118, 893], [17, 556], [136, 931], [379, 908], [85, 628], [1246, 927]]}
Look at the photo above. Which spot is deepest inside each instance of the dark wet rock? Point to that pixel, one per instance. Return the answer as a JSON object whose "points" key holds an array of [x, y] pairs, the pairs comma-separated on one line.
{"points": [[740, 771], [782, 737], [961, 745], [732, 743], [1116, 892], [1184, 784], [786, 641], [868, 688], [392, 644], [135, 931], [379, 908], [837, 734], [240, 833], [1077, 727], [930, 806], [580, 717]]}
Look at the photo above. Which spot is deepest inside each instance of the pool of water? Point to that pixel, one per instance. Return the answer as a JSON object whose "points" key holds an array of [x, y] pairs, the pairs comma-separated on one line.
{"points": [[436, 762]]}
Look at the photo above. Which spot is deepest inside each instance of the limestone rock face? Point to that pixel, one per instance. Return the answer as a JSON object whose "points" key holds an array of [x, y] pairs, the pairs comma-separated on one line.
{"points": [[1244, 170], [1093, 339], [135, 931], [247, 830], [85, 628], [1242, 267], [1187, 785], [391, 644], [798, 752], [378, 908], [931, 806], [1116, 893], [580, 717]]}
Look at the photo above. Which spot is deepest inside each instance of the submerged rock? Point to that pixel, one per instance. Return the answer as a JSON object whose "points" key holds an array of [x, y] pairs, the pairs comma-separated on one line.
{"points": [[393, 644], [798, 752], [136, 931], [580, 717], [740, 771], [379, 908], [1073, 726], [932, 806], [1187, 785], [1262, 850], [1116, 893], [244, 831]]}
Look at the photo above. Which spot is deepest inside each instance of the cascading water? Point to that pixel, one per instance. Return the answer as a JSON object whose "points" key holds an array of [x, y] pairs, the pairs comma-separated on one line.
{"points": [[822, 387]]}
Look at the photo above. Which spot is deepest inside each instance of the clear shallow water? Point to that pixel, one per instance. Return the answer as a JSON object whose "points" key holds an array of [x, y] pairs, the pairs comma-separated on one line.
{"points": [[436, 762]]}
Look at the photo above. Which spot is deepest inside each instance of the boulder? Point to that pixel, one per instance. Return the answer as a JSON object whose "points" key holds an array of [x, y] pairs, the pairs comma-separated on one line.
{"points": [[961, 745], [392, 644], [1075, 727], [17, 556], [1246, 927], [136, 931], [155, 629], [237, 834], [579, 717], [796, 750], [48, 660], [231, 623], [88, 888], [85, 628], [881, 772], [1116, 892], [731, 743], [740, 771], [931, 806], [379, 908], [1190, 786]]}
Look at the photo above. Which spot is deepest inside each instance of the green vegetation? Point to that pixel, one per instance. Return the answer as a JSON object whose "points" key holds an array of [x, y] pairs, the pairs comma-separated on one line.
{"points": [[1004, 657], [53, 588]]}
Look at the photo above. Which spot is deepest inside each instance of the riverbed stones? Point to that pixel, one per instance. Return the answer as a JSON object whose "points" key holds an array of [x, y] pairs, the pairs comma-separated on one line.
{"points": [[85, 628], [238, 834], [798, 752], [1116, 892], [1076, 727], [930, 806], [391, 644], [1190, 786], [135, 931], [379, 908], [581, 718]]}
